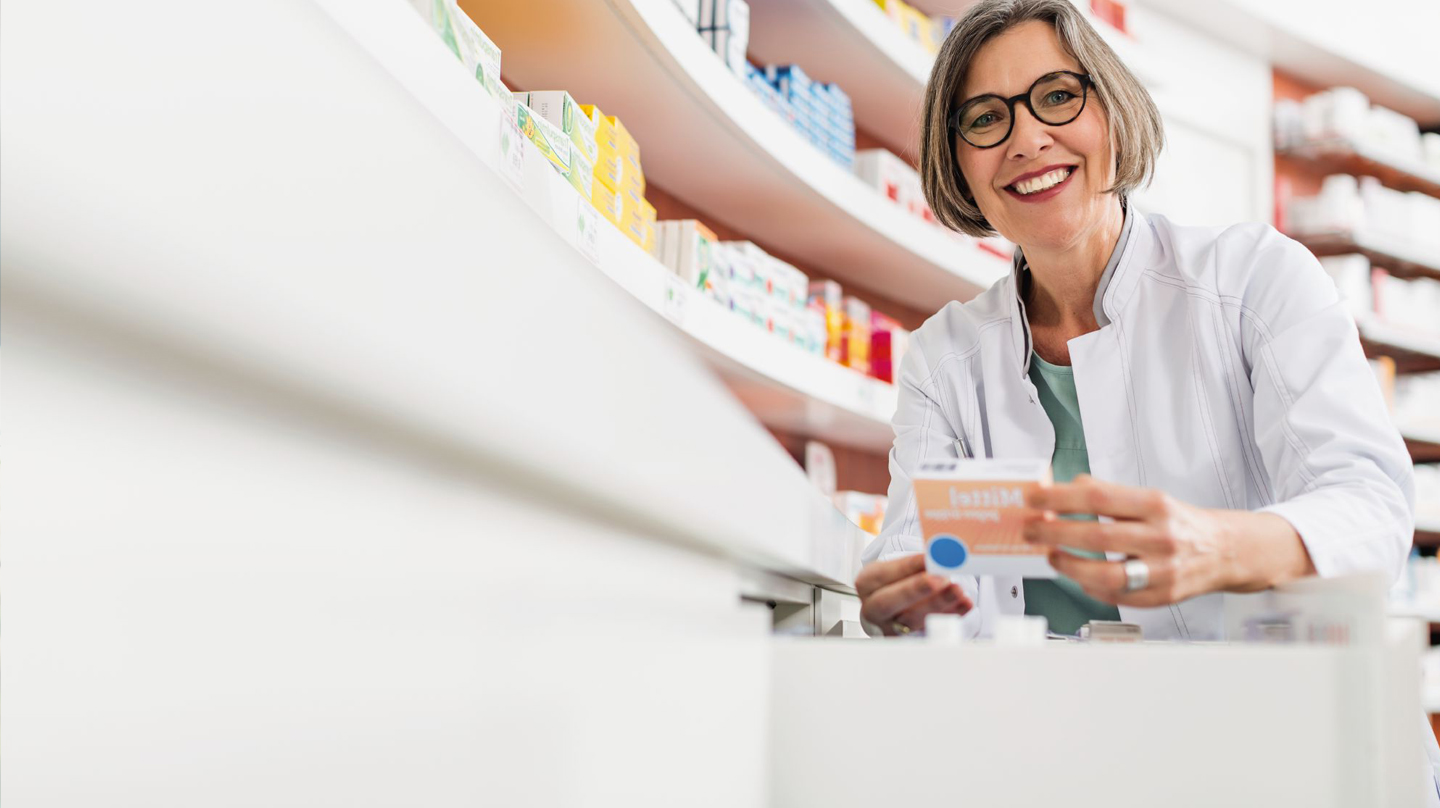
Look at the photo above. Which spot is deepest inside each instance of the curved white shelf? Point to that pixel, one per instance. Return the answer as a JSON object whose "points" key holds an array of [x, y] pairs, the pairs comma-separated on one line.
{"points": [[709, 141], [783, 386], [1397, 257], [1395, 171], [416, 304], [851, 43], [1424, 443], [1420, 351]]}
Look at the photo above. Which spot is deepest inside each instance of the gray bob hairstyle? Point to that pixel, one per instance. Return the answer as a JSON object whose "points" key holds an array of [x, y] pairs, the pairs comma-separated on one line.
{"points": [[1136, 132]]}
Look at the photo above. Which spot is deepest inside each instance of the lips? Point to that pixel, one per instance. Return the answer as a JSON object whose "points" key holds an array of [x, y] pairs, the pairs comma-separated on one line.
{"points": [[1048, 193], [1013, 186]]}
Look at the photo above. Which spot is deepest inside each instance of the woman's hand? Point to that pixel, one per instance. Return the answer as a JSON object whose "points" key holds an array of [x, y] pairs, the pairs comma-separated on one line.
{"points": [[1189, 550], [899, 592]]}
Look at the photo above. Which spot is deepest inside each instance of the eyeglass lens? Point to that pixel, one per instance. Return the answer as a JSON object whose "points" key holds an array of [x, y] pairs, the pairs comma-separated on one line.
{"points": [[1056, 99]]}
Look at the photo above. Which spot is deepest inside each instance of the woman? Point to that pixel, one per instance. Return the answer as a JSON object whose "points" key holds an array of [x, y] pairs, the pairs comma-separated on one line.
{"points": [[1208, 378]]}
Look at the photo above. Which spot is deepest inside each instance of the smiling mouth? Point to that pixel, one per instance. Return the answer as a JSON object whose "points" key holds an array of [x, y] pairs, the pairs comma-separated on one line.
{"points": [[1044, 182]]}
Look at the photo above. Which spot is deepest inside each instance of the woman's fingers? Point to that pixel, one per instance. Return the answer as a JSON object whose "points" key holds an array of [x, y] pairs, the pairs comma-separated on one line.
{"points": [[878, 574], [883, 605], [950, 599], [1087, 495], [1131, 538], [1105, 580]]}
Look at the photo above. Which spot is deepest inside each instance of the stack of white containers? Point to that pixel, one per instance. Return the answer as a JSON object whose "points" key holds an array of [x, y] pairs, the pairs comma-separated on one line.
{"points": [[1362, 206], [1410, 304], [1343, 116], [1415, 397]]}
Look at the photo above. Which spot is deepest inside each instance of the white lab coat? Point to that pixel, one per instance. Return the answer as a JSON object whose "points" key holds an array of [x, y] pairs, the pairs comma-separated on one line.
{"points": [[1226, 372]]}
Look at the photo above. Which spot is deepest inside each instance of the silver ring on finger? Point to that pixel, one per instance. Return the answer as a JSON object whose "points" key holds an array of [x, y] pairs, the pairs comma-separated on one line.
{"points": [[1137, 575]]}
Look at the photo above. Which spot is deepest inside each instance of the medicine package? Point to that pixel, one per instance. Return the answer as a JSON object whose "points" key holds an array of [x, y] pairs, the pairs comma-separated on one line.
{"points": [[973, 513]]}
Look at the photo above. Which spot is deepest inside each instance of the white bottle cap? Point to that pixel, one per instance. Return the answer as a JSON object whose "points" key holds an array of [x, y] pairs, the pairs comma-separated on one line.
{"points": [[945, 629], [1020, 629]]}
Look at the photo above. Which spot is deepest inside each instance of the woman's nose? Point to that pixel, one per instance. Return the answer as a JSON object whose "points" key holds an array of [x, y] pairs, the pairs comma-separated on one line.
{"points": [[1029, 137]]}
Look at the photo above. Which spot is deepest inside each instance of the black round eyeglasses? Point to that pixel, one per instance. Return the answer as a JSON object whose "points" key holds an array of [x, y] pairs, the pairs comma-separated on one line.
{"points": [[1056, 99]]}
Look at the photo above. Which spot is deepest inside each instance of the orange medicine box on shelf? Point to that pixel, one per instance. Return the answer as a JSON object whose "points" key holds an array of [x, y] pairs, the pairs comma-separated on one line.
{"points": [[973, 513]]}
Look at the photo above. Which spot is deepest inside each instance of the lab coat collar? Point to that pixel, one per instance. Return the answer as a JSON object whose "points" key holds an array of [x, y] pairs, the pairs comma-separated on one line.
{"points": [[1116, 283]]}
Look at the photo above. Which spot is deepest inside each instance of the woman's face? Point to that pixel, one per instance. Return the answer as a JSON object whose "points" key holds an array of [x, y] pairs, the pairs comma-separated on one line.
{"points": [[1007, 65]]}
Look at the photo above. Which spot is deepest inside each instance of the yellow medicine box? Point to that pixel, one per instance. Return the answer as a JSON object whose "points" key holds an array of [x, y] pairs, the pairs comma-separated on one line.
{"points": [[609, 169], [607, 202], [611, 135]]}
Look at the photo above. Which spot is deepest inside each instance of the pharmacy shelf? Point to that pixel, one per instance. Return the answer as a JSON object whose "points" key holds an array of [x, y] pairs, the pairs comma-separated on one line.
{"points": [[851, 43], [1396, 257], [1412, 351], [1424, 443], [785, 387], [707, 140], [539, 227], [1427, 534], [1344, 157]]}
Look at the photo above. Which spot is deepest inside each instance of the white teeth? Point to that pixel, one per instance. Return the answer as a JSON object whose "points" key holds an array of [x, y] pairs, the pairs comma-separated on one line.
{"points": [[1040, 183]]}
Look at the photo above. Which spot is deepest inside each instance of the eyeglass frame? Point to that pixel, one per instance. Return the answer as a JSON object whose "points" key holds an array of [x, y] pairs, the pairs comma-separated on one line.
{"points": [[1085, 84]]}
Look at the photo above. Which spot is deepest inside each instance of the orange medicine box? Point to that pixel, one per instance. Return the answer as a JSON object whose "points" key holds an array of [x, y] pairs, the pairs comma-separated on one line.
{"points": [[972, 512]]}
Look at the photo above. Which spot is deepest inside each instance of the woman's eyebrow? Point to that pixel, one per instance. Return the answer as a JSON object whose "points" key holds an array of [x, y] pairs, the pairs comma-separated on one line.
{"points": [[980, 95], [965, 101]]}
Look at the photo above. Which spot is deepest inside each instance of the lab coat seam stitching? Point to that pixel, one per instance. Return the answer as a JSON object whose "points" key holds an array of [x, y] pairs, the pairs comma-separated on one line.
{"points": [[944, 393], [1130, 400], [1209, 425], [913, 512], [966, 416], [944, 360], [1181, 285], [1296, 443], [976, 420], [1254, 466], [1251, 314]]}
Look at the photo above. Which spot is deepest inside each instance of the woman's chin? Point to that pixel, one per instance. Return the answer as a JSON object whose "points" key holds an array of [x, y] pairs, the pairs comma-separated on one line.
{"points": [[1048, 235]]}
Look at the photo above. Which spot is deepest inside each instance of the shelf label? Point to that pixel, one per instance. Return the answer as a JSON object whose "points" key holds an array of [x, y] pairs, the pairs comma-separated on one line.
{"points": [[512, 154], [677, 299], [587, 229]]}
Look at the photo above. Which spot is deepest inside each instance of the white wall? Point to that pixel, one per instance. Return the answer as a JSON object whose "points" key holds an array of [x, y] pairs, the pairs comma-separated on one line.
{"points": [[1217, 166]]}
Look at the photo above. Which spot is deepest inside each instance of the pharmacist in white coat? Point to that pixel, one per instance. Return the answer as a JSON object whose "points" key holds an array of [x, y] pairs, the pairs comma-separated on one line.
{"points": [[1203, 387]]}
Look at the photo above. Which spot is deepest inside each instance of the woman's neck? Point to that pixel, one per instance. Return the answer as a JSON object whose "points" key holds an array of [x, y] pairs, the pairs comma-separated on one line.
{"points": [[1063, 281]]}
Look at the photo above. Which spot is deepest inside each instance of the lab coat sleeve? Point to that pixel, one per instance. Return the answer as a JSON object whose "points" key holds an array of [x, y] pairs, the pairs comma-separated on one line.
{"points": [[1338, 470], [922, 431]]}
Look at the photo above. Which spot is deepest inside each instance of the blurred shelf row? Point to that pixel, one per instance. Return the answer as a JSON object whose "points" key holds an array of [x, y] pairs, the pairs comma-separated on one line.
{"points": [[725, 152]]}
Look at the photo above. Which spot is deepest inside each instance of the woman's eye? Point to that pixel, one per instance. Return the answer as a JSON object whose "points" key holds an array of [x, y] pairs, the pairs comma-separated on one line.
{"points": [[1058, 97], [983, 120]]}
